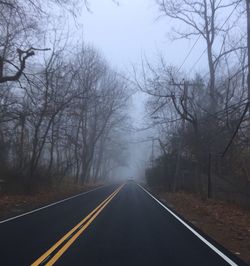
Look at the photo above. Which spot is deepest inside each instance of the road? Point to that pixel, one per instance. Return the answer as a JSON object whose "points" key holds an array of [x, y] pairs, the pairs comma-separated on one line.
{"points": [[112, 225]]}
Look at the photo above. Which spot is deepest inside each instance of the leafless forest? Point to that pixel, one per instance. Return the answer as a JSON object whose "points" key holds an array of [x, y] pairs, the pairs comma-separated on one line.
{"points": [[203, 121], [63, 109]]}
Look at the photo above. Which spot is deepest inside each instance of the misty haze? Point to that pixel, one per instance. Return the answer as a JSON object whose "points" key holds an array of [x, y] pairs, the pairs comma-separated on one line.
{"points": [[124, 132]]}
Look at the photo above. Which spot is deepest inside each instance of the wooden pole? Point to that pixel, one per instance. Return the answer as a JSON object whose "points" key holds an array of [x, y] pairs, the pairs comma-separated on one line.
{"points": [[209, 190], [248, 50]]}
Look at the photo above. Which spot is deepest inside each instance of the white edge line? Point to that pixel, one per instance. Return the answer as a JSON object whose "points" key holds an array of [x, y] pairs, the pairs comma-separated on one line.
{"points": [[222, 255], [49, 205]]}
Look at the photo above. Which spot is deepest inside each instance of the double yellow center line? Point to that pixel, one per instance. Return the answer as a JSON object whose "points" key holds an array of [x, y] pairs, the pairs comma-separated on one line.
{"points": [[57, 250]]}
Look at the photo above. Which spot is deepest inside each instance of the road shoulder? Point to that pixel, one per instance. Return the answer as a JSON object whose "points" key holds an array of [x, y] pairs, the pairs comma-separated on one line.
{"points": [[227, 224], [15, 205]]}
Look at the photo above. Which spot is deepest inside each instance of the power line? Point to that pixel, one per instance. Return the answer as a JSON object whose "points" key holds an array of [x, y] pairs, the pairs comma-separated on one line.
{"points": [[191, 49], [230, 108], [236, 130], [197, 61], [230, 77]]}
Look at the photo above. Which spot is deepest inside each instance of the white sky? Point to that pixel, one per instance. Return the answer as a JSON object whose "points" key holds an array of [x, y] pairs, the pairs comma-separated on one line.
{"points": [[132, 30], [125, 34]]}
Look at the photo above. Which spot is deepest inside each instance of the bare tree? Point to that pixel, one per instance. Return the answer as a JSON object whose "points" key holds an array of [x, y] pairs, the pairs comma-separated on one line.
{"points": [[21, 29], [203, 18]]}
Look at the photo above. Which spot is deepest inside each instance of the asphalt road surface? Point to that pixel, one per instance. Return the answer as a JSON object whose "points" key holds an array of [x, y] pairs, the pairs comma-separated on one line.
{"points": [[112, 225]]}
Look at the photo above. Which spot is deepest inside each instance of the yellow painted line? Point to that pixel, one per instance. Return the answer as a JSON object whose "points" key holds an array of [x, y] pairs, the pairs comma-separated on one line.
{"points": [[59, 242], [72, 240]]}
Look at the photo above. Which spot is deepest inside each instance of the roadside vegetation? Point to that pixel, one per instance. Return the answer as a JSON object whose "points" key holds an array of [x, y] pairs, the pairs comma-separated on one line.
{"points": [[201, 122], [200, 162], [63, 109], [232, 232], [64, 113]]}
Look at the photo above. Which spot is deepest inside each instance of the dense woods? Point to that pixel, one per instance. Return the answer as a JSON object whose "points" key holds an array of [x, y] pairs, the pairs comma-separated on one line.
{"points": [[125, 132], [63, 109], [202, 121]]}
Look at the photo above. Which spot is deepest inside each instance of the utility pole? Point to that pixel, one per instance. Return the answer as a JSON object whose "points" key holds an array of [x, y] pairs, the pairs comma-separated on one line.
{"points": [[185, 113], [247, 108], [185, 95], [152, 153], [209, 185], [185, 85], [248, 48], [248, 51]]}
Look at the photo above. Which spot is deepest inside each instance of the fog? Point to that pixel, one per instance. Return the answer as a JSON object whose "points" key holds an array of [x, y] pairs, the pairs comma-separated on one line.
{"points": [[127, 33], [103, 103], [131, 62]]}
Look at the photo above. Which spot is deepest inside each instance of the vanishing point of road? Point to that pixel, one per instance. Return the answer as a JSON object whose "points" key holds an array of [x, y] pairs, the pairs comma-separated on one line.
{"points": [[111, 225]]}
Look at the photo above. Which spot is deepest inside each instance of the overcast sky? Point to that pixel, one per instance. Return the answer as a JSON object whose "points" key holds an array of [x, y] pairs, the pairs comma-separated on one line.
{"points": [[126, 33], [130, 31]]}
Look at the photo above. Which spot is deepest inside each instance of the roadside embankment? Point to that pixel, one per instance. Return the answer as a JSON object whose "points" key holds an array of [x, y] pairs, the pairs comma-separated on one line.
{"points": [[16, 204], [226, 223]]}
